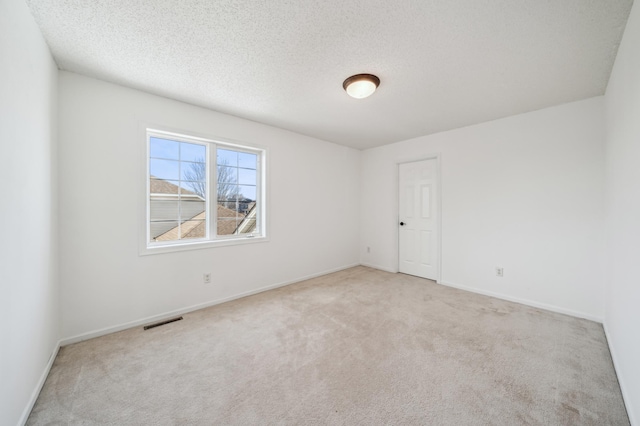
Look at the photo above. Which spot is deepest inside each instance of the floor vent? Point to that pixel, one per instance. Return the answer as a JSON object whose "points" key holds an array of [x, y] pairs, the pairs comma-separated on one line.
{"points": [[158, 324]]}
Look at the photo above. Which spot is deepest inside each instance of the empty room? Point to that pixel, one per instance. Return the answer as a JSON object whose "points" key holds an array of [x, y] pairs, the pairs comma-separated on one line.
{"points": [[344, 212]]}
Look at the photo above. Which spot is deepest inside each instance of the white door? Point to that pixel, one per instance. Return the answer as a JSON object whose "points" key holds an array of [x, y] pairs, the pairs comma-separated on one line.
{"points": [[417, 219]]}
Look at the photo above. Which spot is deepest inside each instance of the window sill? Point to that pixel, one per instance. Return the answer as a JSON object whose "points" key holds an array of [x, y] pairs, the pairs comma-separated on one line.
{"points": [[197, 245]]}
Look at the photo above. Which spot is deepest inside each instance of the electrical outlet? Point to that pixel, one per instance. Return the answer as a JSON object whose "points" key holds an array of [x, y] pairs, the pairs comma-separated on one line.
{"points": [[368, 249], [499, 271], [206, 278]]}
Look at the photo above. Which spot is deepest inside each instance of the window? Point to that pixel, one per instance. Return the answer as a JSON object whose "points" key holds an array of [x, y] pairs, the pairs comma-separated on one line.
{"points": [[202, 191]]}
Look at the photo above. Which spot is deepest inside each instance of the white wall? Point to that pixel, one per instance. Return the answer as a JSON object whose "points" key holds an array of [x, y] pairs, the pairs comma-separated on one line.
{"points": [[622, 321], [524, 193], [29, 330], [313, 187]]}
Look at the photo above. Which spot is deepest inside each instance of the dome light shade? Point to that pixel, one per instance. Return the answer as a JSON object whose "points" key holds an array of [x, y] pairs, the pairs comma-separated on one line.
{"points": [[361, 85]]}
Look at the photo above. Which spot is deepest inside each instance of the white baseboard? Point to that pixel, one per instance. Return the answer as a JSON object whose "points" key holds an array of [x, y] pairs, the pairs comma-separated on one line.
{"points": [[382, 268], [39, 385], [527, 302], [181, 311], [623, 389]]}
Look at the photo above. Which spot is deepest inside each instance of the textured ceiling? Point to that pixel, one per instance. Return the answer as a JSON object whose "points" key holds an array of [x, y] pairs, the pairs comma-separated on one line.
{"points": [[443, 63]]}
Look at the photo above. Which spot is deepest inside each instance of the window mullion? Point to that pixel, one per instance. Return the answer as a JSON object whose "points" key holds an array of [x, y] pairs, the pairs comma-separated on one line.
{"points": [[212, 179], [179, 192], [259, 192]]}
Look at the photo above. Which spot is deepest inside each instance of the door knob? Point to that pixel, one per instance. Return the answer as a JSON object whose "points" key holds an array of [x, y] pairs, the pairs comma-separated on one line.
{"points": [[402, 223]]}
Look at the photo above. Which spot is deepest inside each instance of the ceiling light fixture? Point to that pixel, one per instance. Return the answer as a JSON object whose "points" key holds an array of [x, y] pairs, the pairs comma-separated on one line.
{"points": [[361, 85]]}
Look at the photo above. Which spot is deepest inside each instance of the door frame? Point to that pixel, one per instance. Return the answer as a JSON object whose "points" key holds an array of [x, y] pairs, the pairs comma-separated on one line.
{"points": [[396, 229]]}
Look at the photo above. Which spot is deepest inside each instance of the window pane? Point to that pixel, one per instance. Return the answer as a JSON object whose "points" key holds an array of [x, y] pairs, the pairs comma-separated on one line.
{"points": [[194, 229], [245, 205], [163, 148], [247, 177], [159, 186], [163, 231], [228, 218], [162, 210], [227, 174], [226, 209], [229, 210], [227, 191], [194, 171], [248, 161], [228, 157], [190, 209], [247, 191], [247, 226], [191, 189], [227, 226], [164, 169], [192, 152]]}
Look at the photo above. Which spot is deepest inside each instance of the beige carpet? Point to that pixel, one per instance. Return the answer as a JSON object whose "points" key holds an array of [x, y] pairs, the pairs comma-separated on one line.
{"points": [[359, 346]]}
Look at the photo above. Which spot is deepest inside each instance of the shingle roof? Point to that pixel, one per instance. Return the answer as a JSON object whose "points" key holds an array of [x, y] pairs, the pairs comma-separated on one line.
{"points": [[161, 186]]}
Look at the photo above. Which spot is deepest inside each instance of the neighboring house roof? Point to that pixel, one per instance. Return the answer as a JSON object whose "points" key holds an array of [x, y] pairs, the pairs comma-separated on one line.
{"points": [[162, 187], [196, 226], [226, 226], [192, 228]]}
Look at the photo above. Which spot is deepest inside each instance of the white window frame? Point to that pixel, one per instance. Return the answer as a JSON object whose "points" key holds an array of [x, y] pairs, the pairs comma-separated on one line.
{"points": [[211, 239]]}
